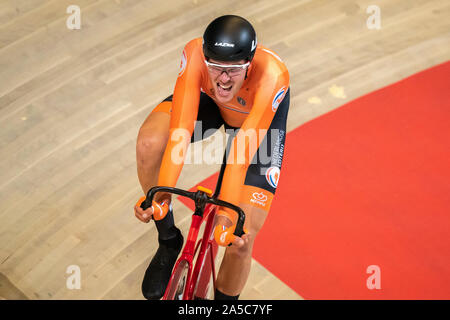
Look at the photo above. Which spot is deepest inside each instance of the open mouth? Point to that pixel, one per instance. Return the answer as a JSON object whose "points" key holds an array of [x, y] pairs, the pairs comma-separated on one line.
{"points": [[224, 89]]}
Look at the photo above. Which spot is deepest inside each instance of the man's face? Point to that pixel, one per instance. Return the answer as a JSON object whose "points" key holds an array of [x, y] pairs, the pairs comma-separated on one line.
{"points": [[226, 81]]}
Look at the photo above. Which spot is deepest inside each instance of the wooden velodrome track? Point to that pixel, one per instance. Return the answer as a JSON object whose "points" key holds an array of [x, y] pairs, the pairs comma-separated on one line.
{"points": [[72, 102]]}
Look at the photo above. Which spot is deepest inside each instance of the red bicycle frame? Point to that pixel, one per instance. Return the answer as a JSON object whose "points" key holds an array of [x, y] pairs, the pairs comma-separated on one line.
{"points": [[188, 254], [194, 282]]}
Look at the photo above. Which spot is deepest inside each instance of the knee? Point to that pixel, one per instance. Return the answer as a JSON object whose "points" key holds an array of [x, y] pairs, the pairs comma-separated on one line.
{"points": [[244, 251], [255, 218], [150, 148]]}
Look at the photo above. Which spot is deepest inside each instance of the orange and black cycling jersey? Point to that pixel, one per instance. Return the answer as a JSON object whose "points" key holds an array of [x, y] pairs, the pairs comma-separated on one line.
{"points": [[255, 108]]}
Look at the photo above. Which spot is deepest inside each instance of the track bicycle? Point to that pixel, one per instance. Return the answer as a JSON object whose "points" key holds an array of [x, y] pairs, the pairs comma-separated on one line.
{"points": [[188, 280]]}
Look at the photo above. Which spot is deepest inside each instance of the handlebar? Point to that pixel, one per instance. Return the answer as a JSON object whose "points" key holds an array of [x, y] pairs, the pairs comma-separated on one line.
{"points": [[200, 199]]}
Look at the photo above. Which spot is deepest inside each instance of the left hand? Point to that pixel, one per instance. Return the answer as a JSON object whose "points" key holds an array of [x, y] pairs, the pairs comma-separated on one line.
{"points": [[224, 236]]}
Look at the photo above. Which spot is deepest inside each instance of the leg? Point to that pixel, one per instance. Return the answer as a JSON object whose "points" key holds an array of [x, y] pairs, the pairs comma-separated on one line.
{"points": [[150, 147], [151, 143], [235, 267]]}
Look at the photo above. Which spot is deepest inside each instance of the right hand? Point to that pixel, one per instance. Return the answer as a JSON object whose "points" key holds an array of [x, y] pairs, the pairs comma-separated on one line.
{"points": [[157, 211]]}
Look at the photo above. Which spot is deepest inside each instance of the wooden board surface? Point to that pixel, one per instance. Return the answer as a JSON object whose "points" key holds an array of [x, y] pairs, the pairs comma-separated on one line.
{"points": [[72, 102]]}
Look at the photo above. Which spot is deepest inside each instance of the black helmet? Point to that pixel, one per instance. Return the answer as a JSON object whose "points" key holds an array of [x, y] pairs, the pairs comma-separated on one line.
{"points": [[229, 38]]}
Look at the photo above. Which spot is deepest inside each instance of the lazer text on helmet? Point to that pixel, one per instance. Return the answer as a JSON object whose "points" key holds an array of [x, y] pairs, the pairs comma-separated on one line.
{"points": [[224, 44]]}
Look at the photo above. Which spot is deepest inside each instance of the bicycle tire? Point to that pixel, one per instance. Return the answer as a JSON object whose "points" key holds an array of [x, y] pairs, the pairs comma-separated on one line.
{"points": [[178, 283]]}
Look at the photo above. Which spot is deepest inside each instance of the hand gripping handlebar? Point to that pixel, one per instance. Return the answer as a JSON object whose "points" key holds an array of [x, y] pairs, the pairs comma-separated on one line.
{"points": [[201, 198]]}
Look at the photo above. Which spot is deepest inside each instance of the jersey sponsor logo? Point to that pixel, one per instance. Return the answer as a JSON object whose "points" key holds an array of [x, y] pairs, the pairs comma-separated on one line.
{"points": [[224, 44], [272, 176], [278, 149], [259, 198], [183, 63], [241, 101], [278, 98]]}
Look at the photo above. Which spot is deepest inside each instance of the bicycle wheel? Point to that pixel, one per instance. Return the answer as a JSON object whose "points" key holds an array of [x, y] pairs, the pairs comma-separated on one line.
{"points": [[178, 283]]}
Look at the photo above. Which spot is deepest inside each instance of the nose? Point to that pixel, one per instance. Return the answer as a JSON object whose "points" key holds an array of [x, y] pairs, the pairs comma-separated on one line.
{"points": [[224, 77]]}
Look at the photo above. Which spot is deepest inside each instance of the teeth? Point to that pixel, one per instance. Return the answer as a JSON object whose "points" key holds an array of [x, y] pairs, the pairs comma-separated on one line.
{"points": [[224, 87]]}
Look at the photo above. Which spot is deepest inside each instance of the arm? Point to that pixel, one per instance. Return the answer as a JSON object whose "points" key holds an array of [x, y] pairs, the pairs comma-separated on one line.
{"points": [[184, 113], [247, 141]]}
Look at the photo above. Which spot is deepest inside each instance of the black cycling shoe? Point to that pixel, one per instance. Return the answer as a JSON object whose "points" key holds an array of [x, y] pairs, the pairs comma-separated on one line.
{"points": [[158, 273]]}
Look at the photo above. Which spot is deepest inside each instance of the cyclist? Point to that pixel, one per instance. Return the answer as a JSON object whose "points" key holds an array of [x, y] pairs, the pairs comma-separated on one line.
{"points": [[225, 78]]}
